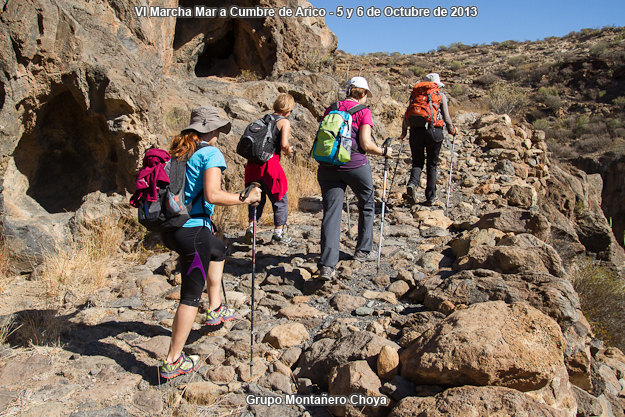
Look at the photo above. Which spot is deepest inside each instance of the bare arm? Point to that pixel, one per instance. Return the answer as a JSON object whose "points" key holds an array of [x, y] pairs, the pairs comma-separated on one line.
{"points": [[368, 145], [285, 133], [404, 128], [215, 195], [446, 116]]}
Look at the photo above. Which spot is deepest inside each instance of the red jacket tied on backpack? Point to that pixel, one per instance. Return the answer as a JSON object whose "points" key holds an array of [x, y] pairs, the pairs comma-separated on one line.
{"points": [[151, 177]]}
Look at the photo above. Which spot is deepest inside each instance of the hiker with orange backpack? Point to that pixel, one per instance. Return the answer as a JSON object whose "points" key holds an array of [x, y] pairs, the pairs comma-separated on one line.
{"points": [[426, 115], [202, 255]]}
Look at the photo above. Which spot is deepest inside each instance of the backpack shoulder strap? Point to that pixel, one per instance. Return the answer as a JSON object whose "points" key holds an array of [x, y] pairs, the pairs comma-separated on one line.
{"points": [[356, 109]]}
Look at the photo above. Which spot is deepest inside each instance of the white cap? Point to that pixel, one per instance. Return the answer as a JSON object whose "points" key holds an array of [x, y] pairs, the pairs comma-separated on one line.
{"points": [[359, 82], [434, 78]]}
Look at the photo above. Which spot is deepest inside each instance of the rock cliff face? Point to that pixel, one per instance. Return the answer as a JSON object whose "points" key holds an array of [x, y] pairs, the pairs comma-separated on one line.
{"points": [[86, 87]]}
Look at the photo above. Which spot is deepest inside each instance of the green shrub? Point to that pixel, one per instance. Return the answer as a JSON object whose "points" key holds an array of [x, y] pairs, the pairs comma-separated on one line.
{"points": [[581, 124], [456, 90], [541, 124], [516, 60], [598, 49], [486, 80], [602, 296], [417, 70], [619, 102], [504, 98], [455, 65]]}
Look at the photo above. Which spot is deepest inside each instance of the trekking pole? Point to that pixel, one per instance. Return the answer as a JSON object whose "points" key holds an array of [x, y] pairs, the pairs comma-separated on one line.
{"points": [[386, 144], [451, 167], [396, 165], [349, 221], [244, 195]]}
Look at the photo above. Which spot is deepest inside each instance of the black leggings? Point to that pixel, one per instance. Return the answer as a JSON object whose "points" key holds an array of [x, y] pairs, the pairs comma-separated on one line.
{"points": [[197, 247]]}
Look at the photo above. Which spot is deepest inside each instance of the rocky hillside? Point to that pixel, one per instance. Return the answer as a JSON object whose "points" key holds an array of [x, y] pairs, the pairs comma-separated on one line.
{"points": [[572, 87], [474, 311]]}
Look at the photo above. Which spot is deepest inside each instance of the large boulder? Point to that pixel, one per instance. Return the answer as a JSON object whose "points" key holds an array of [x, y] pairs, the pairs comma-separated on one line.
{"points": [[516, 221], [327, 353], [476, 402], [355, 378], [492, 343]]}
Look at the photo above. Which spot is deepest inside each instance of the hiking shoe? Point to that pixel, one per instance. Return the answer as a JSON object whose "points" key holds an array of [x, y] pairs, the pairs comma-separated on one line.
{"points": [[184, 365], [363, 256], [326, 273], [223, 314], [411, 190], [429, 202], [283, 238], [249, 235]]}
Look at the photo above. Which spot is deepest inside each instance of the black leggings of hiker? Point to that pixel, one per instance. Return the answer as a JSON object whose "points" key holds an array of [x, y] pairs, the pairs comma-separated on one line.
{"points": [[425, 142]]}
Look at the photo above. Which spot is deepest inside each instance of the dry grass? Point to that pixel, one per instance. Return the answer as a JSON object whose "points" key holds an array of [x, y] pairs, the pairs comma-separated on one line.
{"points": [[37, 328], [602, 296], [5, 266], [84, 264], [301, 174]]}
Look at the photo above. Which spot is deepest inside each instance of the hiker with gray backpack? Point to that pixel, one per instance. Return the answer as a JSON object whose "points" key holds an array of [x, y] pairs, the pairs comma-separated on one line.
{"points": [[341, 144], [262, 144], [176, 195], [426, 115]]}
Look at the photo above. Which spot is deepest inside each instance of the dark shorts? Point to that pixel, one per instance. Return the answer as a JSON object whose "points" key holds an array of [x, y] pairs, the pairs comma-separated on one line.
{"points": [[197, 247]]}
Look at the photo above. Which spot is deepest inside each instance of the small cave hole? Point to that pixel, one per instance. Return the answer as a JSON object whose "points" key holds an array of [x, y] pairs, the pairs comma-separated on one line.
{"points": [[218, 58], [68, 154]]}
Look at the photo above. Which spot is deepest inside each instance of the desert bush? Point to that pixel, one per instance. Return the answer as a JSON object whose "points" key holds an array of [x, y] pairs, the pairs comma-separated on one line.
{"points": [[456, 90], [418, 71], [507, 99], [486, 80], [561, 150], [619, 102], [84, 264], [516, 60], [36, 328], [602, 296], [509, 44], [249, 75], [455, 65], [549, 97], [541, 124], [598, 49], [589, 143]]}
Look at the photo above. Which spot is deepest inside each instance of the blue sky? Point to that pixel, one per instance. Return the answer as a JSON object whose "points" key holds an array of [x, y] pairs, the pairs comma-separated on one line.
{"points": [[496, 21]]}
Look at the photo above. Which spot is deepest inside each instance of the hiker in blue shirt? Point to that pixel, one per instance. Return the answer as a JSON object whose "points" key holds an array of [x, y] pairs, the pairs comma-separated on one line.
{"points": [[202, 255]]}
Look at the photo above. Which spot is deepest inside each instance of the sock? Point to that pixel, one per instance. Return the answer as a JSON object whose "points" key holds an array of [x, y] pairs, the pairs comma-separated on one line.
{"points": [[277, 232], [218, 308]]}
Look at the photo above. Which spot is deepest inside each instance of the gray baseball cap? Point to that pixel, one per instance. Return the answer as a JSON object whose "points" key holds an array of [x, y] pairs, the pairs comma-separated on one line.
{"points": [[206, 119]]}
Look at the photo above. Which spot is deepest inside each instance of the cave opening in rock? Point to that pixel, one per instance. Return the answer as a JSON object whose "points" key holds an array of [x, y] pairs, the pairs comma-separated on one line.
{"points": [[218, 58], [67, 155], [225, 46]]}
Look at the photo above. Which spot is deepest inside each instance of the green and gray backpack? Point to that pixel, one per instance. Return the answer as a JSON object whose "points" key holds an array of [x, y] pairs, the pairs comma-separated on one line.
{"points": [[333, 142]]}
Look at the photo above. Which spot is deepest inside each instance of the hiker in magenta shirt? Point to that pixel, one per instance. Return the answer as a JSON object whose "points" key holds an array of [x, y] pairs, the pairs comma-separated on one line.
{"points": [[357, 174], [360, 118]]}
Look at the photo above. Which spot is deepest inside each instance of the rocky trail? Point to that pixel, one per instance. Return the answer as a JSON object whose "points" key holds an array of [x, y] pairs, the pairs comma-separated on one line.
{"points": [[473, 310]]}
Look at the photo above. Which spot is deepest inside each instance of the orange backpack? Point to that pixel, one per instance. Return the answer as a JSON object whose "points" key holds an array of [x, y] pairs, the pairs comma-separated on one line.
{"points": [[425, 104]]}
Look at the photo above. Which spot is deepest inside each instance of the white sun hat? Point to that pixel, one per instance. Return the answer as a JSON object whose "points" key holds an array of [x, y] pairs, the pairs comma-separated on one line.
{"points": [[434, 78], [359, 82]]}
